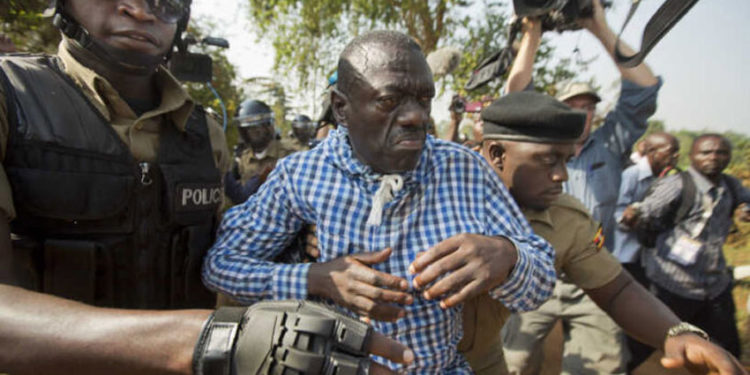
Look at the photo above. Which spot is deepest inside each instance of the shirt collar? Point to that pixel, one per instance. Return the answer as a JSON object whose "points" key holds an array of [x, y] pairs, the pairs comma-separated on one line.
{"points": [[702, 183], [339, 151], [175, 101], [644, 169]]}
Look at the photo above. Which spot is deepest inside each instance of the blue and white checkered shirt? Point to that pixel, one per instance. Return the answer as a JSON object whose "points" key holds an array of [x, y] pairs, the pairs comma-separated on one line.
{"points": [[451, 191]]}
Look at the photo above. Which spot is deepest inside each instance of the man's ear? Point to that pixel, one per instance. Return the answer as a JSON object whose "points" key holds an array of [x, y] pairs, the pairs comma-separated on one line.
{"points": [[339, 104], [497, 155]]}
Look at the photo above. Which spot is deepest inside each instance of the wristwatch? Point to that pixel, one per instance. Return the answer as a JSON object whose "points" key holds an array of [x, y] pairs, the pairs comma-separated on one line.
{"points": [[685, 327]]}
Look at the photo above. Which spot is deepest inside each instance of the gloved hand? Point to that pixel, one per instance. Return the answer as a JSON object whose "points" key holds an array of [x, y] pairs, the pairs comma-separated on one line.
{"points": [[301, 336]]}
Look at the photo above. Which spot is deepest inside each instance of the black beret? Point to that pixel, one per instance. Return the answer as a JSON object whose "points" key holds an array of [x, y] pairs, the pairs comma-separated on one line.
{"points": [[529, 116]]}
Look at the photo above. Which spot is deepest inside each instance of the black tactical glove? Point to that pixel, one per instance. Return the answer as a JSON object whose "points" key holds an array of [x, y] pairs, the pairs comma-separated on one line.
{"points": [[282, 337]]}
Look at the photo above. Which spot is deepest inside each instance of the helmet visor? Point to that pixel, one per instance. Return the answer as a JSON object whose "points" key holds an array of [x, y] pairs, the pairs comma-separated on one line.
{"points": [[169, 11], [255, 120]]}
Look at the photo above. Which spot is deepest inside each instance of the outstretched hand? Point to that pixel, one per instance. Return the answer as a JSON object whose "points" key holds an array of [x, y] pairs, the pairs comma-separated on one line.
{"points": [[699, 356], [466, 266], [351, 282]]}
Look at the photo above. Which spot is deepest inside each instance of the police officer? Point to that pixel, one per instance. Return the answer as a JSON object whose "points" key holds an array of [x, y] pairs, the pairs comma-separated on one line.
{"points": [[303, 132], [111, 174], [258, 153], [528, 138]]}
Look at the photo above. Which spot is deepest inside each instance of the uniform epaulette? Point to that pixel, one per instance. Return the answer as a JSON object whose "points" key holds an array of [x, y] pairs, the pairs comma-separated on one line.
{"points": [[570, 202]]}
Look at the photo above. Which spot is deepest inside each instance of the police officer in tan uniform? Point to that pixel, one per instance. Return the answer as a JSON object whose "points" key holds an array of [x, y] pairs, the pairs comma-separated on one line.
{"points": [[528, 138], [111, 177], [303, 132], [258, 153]]}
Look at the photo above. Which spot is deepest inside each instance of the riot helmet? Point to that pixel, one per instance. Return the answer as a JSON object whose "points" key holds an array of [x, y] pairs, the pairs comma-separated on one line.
{"points": [[255, 120], [303, 128], [168, 11]]}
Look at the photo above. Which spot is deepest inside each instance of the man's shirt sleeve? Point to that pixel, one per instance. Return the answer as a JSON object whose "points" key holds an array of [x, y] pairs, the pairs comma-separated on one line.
{"points": [[626, 196], [628, 120], [249, 236], [655, 209], [531, 282]]}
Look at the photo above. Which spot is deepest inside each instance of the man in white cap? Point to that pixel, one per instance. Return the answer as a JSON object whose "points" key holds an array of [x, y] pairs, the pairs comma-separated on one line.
{"points": [[594, 174]]}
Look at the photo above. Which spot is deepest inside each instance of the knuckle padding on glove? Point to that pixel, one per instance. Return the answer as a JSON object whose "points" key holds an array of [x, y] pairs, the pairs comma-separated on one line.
{"points": [[290, 337]]}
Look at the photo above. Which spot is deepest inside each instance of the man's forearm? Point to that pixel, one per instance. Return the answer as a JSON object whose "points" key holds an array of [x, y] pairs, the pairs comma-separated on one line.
{"points": [[636, 310], [41, 334], [523, 66]]}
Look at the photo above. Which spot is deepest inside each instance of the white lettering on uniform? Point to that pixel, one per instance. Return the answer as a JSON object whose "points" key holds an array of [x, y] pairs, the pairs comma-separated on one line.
{"points": [[201, 196], [216, 195], [197, 197], [186, 195]]}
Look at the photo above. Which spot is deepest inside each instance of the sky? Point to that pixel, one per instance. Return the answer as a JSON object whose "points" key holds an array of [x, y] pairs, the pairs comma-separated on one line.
{"points": [[704, 61]]}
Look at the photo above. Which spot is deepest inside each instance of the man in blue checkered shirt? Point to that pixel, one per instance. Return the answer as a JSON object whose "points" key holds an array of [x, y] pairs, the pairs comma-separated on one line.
{"points": [[409, 227]]}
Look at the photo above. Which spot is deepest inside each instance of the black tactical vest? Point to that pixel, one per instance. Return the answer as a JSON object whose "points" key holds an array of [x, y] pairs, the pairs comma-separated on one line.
{"points": [[93, 224]]}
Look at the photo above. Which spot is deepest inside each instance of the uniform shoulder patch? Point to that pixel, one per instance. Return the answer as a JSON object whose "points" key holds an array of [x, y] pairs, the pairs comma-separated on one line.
{"points": [[570, 202]]}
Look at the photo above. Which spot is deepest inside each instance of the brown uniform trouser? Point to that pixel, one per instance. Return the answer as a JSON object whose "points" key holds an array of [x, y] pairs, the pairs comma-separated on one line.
{"points": [[593, 342]]}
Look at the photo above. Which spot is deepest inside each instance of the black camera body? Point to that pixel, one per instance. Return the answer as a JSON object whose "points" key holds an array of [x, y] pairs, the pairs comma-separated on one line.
{"points": [[557, 15], [458, 105]]}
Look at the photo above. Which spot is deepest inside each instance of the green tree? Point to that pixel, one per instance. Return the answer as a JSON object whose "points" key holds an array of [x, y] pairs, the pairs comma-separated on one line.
{"points": [[24, 23], [308, 35]]}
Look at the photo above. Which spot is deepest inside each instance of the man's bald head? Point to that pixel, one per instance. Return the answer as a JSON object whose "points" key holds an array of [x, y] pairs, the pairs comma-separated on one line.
{"points": [[374, 50], [662, 150], [660, 139]]}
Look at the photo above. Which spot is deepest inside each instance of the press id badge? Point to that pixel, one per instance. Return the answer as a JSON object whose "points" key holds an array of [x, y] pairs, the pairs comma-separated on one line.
{"points": [[685, 250]]}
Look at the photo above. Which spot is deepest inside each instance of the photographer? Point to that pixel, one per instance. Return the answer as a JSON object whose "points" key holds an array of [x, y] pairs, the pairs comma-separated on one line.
{"points": [[457, 110], [594, 178]]}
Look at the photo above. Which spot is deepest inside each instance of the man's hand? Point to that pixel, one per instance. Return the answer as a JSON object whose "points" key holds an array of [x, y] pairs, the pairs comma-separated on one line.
{"points": [[744, 214], [351, 282], [466, 264], [292, 336], [531, 25], [311, 242], [597, 23], [629, 216], [699, 356]]}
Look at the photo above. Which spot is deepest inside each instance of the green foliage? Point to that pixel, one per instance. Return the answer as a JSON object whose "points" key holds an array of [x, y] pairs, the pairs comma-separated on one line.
{"points": [[308, 35], [23, 22]]}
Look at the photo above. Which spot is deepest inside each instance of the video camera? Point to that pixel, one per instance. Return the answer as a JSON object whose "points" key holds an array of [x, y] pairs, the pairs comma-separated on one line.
{"points": [[557, 15], [458, 105], [194, 67]]}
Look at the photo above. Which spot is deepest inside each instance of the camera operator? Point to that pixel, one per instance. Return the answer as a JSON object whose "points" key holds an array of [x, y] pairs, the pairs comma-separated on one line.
{"points": [[594, 178], [457, 110]]}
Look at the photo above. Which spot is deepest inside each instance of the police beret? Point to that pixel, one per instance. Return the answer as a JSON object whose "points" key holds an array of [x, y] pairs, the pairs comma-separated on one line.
{"points": [[530, 116]]}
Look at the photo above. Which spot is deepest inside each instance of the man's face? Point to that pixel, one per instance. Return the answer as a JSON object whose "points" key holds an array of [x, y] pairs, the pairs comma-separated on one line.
{"points": [[585, 103], [710, 156], [387, 109], [258, 136], [664, 153], [124, 24], [533, 172]]}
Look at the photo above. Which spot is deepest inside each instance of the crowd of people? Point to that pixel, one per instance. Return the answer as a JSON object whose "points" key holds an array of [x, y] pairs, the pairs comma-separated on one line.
{"points": [[371, 247]]}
